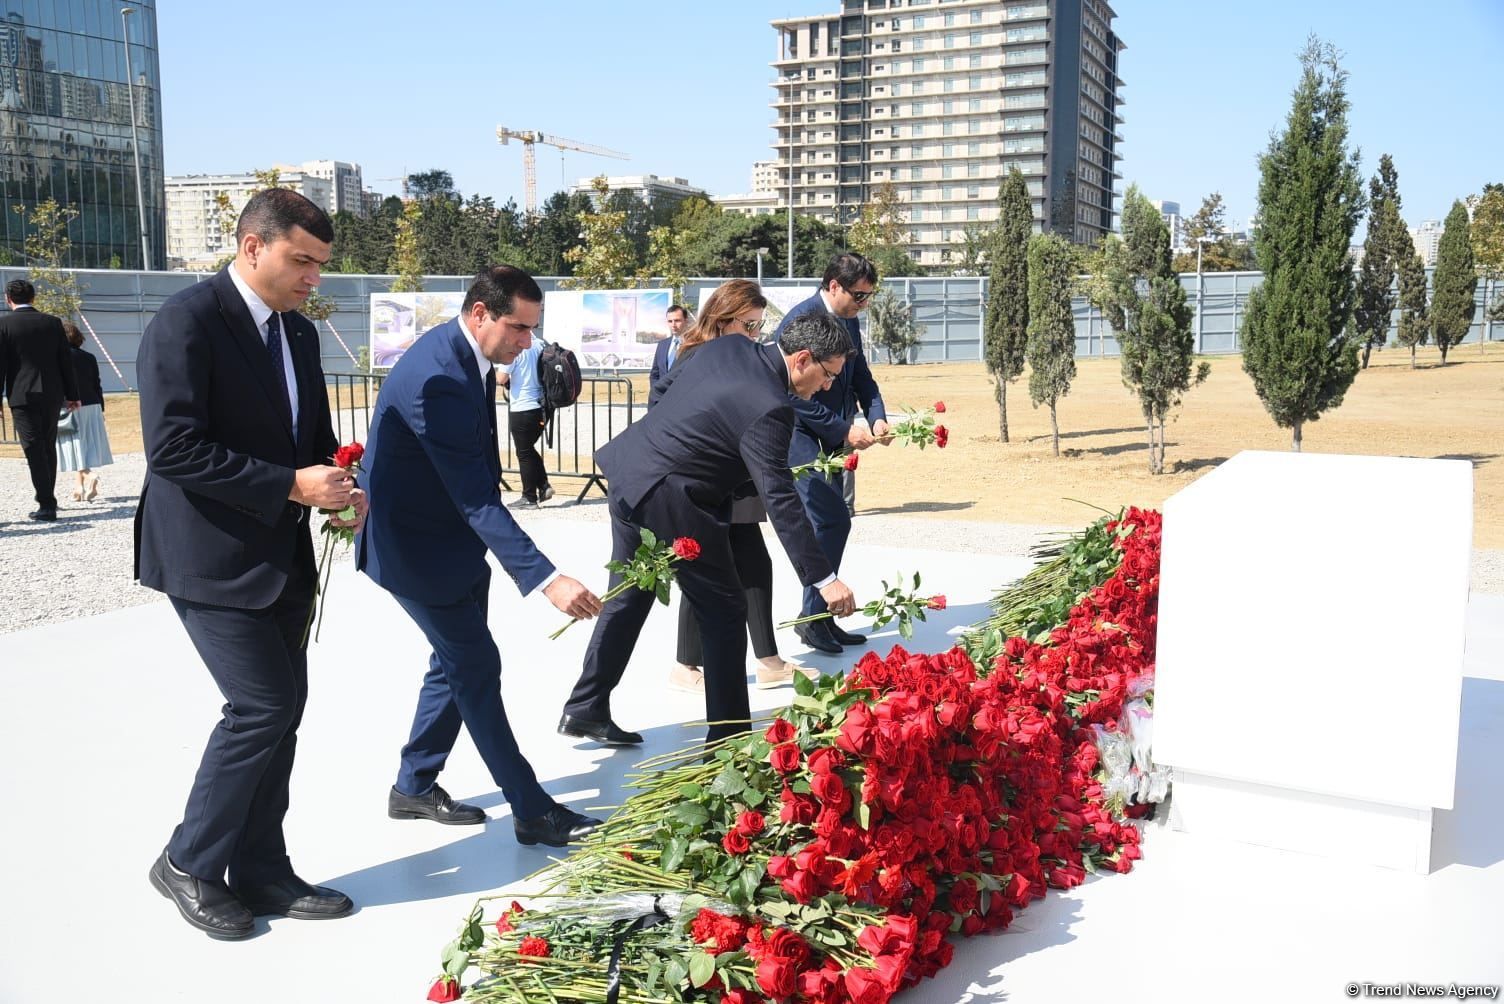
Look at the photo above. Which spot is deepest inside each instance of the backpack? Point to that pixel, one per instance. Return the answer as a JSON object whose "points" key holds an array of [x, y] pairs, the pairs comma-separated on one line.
{"points": [[559, 378]]}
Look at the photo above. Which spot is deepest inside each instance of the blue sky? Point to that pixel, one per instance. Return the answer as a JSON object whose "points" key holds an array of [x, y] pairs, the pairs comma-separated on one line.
{"points": [[682, 86]]}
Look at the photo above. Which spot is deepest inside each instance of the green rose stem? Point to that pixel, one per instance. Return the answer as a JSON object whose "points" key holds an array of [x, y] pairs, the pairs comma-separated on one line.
{"points": [[322, 573]]}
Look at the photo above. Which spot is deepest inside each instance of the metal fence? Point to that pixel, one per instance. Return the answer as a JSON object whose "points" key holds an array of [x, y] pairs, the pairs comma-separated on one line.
{"points": [[118, 305]]}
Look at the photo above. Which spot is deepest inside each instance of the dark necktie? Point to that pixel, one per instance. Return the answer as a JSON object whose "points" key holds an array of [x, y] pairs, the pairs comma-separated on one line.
{"points": [[274, 349], [495, 455]]}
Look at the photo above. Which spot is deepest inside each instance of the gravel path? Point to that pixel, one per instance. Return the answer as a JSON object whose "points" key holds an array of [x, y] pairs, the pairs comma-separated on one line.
{"points": [[81, 565]]}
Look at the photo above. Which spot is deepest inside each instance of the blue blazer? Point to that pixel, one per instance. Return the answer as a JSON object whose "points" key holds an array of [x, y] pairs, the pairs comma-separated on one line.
{"points": [[824, 420], [432, 469], [214, 524]]}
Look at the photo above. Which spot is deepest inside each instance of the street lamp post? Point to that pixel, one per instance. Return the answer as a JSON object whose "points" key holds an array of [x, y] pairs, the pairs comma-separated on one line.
{"points": [[130, 85], [760, 253]]}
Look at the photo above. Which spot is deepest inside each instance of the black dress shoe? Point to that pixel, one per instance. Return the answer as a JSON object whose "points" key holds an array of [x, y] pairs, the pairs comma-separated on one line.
{"points": [[817, 636], [845, 637], [292, 897], [558, 827], [435, 805], [208, 906], [45, 515], [607, 733]]}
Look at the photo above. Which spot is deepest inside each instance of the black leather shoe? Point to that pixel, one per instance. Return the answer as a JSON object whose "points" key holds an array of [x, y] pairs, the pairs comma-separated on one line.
{"points": [[435, 805], [292, 897], [817, 636], [208, 906], [607, 733], [845, 637], [558, 827], [44, 515]]}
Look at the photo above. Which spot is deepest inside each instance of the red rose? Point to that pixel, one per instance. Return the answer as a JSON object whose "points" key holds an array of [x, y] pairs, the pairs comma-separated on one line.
{"points": [[349, 456], [865, 986], [784, 758], [534, 946], [740, 997], [963, 896], [939, 407], [942, 436], [736, 842], [779, 732], [776, 977], [750, 823], [850, 463], [786, 946], [444, 989], [504, 923], [936, 603], [826, 761], [687, 548]]}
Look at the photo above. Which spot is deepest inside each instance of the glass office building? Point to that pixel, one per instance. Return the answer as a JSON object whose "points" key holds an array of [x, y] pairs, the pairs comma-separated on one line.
{"points": [[65, 126]]}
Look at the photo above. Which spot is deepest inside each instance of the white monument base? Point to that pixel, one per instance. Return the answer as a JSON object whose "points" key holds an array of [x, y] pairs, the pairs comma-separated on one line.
{"points": [[1389, 836]]}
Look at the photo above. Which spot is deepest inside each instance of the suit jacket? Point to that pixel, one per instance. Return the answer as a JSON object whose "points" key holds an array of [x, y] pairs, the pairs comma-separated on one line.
{"points": [[35, 367], [724, 419], [432, 469], [86, 369], [660, 370], [825, 419], [214, 524]]}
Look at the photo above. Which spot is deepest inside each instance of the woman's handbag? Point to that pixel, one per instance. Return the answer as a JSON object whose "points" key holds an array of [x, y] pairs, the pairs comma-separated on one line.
{"points": [[67, 424]]}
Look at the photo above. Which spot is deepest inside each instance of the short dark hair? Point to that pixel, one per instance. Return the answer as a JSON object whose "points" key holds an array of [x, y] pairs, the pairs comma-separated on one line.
{"points": [[498, 286], [674, 307], [818, 331], [273, 212], [20, 291], [848, 269]]}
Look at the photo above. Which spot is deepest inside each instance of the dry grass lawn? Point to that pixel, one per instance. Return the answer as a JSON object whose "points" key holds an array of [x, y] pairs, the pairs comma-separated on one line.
{"points": [[1455, 411]]}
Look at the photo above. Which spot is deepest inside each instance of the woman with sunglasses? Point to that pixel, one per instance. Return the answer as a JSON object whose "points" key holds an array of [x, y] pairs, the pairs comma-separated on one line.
{"points": [[734, 309]]}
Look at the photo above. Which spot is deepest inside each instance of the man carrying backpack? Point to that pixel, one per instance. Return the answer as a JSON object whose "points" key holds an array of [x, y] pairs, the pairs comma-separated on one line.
{"points": [[527, 417]]}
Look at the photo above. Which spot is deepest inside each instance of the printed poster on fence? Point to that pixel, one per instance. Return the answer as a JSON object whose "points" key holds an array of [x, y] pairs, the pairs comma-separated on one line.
{"points": [[612, 329], [399, 319]]}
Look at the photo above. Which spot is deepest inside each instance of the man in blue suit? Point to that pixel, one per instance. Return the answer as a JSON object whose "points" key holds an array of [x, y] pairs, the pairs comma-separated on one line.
{"points": [[432, 467], [238, 441], [667, 351], [826, 421]]}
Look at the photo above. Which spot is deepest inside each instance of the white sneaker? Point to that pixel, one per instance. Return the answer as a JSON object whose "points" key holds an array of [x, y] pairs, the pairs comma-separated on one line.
{"points": [[686, 678]]}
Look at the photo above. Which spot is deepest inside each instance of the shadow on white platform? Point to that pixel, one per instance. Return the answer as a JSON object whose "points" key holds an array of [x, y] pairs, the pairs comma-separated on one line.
{"points": [[102, 722]]}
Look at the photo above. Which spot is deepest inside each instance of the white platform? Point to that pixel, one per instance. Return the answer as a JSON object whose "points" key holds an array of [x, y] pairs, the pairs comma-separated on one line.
{"points": [[1310, 658], [102, 722]]}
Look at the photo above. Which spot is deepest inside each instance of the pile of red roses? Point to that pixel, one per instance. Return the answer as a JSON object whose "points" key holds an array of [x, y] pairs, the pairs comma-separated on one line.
{"points": [[918, 797]]}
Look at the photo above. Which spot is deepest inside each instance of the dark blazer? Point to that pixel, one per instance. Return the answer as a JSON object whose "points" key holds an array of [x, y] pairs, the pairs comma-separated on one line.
{"points": [[35, 368], [432, 469], [214, 524], [825, 419], [727, 420], [660, 370], [86, 369]]}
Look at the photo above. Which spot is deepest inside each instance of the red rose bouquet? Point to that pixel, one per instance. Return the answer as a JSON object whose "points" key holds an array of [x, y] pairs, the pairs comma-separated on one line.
{"points": [[347, 457], [650, 569]]}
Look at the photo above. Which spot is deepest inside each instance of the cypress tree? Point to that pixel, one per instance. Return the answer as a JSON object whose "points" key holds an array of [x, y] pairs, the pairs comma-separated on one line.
{"points": [[1414, 324], [1297, 345], [1381, 250], [1052, 328], [1006, 332], [1456, 282]]}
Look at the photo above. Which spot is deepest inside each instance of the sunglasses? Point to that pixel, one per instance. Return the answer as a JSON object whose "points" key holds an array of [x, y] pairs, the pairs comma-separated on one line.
{"points": [[860, 297], [753, 327]]}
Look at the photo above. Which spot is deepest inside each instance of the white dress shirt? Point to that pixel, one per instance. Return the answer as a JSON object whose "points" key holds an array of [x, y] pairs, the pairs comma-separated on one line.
{"points": [[260, 312]]}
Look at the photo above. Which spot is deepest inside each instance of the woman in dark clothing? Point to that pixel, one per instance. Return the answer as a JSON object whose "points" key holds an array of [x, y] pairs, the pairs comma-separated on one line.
{"points": [[87, 444]]}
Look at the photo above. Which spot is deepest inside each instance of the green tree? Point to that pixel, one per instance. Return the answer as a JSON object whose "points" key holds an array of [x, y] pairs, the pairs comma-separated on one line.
{"points": [[1375, 294], [891, 325], [47, 247], [430, 184], [637, 223], [1220, 252], [666, 262], [554, 230], [1455, 281], [1297, 343], [1414, 322], [406, 256], [1052, 328], [1006, 325], [881, 233], [605, 260], [1488, 242]]}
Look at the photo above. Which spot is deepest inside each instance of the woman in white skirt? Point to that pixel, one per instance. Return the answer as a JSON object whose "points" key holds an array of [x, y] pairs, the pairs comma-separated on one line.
{"points": [[87, 446]]}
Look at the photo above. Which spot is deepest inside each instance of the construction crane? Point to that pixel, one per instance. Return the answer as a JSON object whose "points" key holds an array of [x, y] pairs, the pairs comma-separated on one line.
{"points": [[529, 161]]}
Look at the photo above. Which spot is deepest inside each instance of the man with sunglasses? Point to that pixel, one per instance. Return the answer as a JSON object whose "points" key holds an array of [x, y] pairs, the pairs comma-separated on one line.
{"points": [[827, 421]]}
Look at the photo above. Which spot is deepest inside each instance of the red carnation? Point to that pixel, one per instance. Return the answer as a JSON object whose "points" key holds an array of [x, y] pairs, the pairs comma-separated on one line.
{"points": [[939, 407], [534, 946], [936, 603], [850, 464], [779, 732], [444, 989], [349, 456], [687, 548]]}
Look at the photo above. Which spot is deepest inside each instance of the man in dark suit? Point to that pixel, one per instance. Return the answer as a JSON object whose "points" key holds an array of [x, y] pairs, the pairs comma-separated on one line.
{"points": [[432, 467], [667, 350], [826, 421], [674, 472], [36, 373], [238, 439]]}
